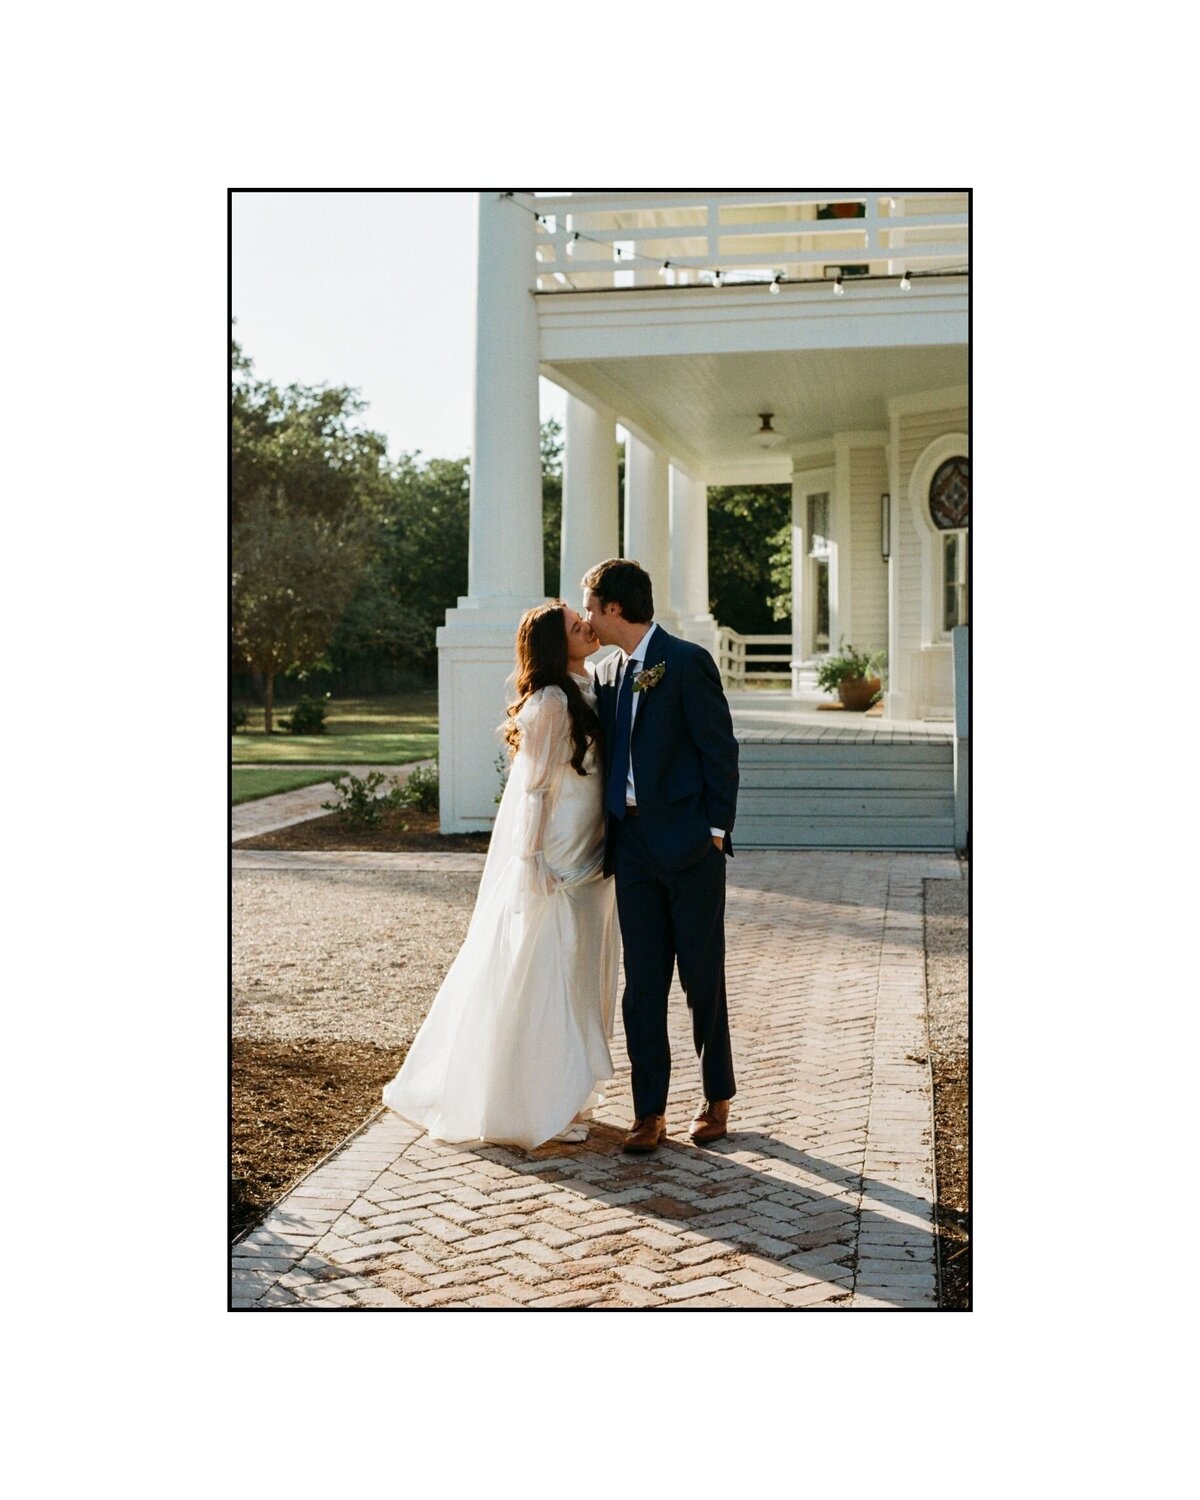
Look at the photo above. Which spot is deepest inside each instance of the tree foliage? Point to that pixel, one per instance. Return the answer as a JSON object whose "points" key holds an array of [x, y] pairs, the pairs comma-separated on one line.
{"points": [[303, 442], [749, 557], [347, 562], [552, 499], [416, 572], [306, 497]]}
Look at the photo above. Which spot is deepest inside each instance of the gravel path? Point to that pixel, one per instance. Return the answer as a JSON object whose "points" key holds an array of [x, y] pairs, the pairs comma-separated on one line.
{"points": [[946, 969], [343, 953]]}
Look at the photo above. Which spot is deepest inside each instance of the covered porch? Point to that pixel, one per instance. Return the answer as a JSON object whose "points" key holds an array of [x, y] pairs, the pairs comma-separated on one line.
{"points": [[713, 334]]}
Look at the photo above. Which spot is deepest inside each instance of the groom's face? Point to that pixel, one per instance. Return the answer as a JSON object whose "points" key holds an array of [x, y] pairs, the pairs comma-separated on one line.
{"points": [[601, 617]]}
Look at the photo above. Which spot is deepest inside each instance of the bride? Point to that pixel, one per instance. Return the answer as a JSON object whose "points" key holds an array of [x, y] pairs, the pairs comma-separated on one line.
{"points": [[515, 1046]]}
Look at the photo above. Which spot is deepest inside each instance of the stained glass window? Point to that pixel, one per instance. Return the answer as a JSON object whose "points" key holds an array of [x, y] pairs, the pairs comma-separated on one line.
{"points": [[950, 495]]}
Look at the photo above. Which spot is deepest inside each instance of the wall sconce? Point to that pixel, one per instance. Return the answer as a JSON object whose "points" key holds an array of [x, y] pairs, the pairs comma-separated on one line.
{"points": [[885, 526]]}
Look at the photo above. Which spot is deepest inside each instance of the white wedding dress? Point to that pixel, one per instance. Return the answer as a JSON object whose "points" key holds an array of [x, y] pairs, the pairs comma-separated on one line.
{"points": [[516, 1042]]}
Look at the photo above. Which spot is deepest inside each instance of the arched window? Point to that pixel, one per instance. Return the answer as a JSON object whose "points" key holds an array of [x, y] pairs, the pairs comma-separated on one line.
{"points": [[950, 513], [939, 497]]}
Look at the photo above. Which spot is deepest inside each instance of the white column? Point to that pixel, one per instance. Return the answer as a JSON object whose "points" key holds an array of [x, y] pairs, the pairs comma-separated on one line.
{"points": [[475, 646], [506, 467], [689, 560], [841, 611], [803, 683], [589, 513], [898, 700], [648, 523]]}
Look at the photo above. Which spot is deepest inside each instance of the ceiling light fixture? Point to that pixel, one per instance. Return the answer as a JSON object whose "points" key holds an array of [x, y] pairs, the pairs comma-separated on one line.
{"points": [[766, 436]]}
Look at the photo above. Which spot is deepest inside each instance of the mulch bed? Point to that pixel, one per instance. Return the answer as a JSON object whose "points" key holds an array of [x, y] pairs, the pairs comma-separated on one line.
{"points": [[951, 1129], [293, 1102], [403, 830]]}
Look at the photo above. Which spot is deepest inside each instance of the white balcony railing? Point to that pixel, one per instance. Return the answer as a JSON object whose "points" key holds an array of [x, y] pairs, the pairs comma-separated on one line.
{"points": [[740, 659], [608, 241]]}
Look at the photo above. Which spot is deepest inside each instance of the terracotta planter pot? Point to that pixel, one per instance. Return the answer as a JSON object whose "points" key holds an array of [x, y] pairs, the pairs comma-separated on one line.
{"points": [[857, 692]]}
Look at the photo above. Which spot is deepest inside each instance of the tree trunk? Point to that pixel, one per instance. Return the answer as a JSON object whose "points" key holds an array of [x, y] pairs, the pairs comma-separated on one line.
{"points": [[268, 700]]}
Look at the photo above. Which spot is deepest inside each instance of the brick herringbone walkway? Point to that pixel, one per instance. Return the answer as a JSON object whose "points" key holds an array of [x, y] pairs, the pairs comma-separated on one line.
{"points": [[820, 1197]]}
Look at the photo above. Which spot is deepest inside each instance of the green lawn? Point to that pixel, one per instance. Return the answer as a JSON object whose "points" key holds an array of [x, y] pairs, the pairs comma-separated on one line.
{"points": [[359, 731], [251, 782]]}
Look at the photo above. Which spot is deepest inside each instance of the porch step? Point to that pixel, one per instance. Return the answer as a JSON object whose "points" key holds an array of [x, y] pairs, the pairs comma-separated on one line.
{"points": [[830, 795]]}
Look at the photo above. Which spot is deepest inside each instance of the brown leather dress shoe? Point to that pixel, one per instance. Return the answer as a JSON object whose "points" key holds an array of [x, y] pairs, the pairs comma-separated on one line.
{"points": [[710, 1122], [645, 1134]]}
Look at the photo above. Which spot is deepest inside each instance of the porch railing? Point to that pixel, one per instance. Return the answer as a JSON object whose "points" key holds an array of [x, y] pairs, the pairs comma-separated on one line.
{"points": [[608, 242], [741, 660]]}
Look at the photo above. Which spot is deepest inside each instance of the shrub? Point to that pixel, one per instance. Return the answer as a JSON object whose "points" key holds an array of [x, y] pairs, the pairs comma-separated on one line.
{"points": [[358, 804], [848, 665], [308, 717], [420, 790], [238, 717]]}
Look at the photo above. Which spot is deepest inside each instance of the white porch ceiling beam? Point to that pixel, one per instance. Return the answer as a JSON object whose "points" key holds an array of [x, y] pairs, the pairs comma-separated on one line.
{"points": [[739, 319]]}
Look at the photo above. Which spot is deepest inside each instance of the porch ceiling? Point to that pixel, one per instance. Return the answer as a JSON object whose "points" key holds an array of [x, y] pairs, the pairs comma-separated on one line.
{"points": [[703, 408]]}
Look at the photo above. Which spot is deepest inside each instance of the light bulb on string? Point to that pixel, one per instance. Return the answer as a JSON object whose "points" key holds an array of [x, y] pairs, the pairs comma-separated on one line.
{"points": [[905, 282], [838, 289], [718, 279], [775, 281]]}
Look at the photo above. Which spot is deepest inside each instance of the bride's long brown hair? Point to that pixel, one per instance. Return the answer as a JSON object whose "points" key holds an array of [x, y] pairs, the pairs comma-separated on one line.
{"points": [[542, 662]]}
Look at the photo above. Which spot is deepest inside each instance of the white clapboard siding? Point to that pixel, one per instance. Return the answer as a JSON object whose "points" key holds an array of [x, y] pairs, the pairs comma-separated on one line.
{"points": [[916, 431], [868, 480], [831, 795]]}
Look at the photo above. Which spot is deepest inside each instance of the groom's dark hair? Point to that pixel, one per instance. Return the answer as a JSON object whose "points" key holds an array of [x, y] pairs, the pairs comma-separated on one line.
{"points": [[622, 581]]}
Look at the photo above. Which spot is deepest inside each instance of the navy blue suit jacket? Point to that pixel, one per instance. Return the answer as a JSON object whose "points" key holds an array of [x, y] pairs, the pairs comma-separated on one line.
{"points": [[683, 750]]}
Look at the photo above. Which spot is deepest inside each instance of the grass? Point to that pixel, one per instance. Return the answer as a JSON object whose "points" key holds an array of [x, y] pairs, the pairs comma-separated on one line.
{"points": [[388, 731], [252, 782]]}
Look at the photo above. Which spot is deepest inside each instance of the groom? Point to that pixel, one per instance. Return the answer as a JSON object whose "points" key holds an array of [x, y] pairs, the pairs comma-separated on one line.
{"points": [[671, 783]]}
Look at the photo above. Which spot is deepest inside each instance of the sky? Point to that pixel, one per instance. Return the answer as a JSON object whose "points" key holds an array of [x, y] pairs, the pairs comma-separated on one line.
{"points": [[372, 290]]}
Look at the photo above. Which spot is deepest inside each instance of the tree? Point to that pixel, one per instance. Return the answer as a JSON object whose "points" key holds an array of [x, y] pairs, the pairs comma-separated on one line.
{"points": [[293, 574], [749, 556], [552, 495], [417, 570], [305, 441], [306, 497]]}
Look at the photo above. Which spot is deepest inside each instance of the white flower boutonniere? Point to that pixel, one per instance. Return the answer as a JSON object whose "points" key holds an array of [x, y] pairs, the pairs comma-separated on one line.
{"points": [[650, 678]]}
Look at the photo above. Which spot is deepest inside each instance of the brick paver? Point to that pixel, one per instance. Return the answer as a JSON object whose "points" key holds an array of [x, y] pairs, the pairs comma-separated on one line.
{"points": [[821, 1196]]}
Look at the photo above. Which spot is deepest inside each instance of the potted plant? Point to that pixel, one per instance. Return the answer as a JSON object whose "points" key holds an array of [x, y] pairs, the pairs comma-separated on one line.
{"points": [[852, 674]]}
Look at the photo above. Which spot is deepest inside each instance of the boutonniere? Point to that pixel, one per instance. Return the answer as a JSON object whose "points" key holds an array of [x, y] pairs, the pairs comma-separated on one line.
{"points": [[651, 677]]}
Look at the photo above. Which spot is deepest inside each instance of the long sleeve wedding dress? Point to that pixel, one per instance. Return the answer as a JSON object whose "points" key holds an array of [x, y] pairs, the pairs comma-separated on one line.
{"points": [[516, 1042]]}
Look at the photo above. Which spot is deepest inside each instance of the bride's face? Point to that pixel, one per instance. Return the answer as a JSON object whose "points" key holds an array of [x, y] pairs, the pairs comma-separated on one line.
{"points": [[581, 638]]}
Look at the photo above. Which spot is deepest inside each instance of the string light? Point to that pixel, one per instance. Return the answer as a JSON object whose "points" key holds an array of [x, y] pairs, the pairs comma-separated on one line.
{"points": [[718, 277]]}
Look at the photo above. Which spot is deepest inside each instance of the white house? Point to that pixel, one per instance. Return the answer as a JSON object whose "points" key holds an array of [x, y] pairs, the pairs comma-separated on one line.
{"points": [[812, 338]]}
